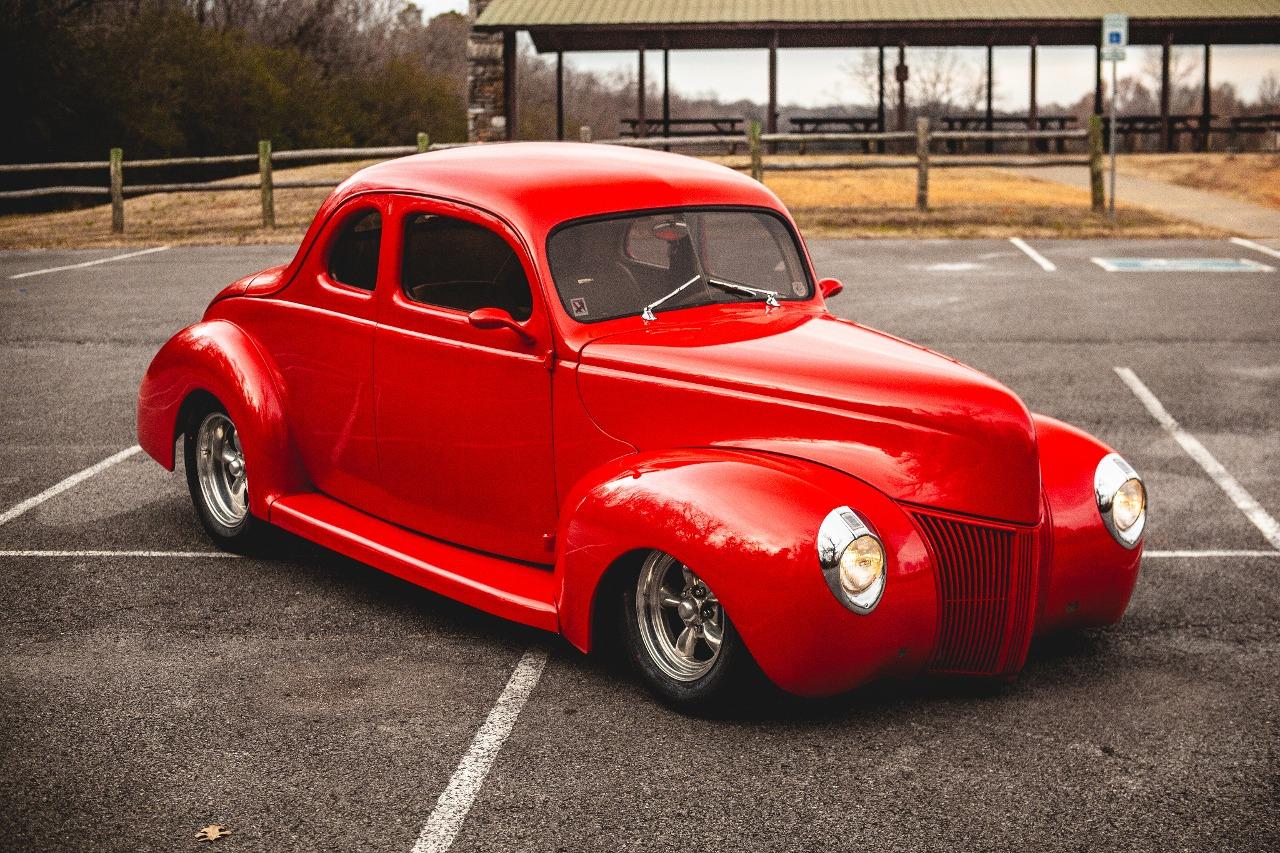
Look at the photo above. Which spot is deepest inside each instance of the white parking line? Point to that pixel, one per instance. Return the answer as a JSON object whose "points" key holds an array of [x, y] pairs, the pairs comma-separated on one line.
{"points": [[1045, 264], [55, 490], [1199, 555], [215, 554], [1197, 451], [89, 263], [451, 809], [1257, 247]]}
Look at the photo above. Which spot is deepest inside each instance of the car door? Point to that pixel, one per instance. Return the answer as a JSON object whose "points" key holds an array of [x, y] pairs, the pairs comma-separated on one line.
{"points": [[321, 331], [464, 412]]}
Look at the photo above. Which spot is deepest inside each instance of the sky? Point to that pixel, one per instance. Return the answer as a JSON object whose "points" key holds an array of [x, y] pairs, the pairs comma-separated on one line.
{"points": [[819, 77]]}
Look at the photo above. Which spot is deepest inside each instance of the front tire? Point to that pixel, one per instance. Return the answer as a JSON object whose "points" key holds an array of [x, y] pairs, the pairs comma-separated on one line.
{"points": [[680, 639], [218, 481]]}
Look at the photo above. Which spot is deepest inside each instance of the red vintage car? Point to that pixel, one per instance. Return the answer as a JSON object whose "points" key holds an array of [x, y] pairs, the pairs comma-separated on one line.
{"points": [[598, 390]]}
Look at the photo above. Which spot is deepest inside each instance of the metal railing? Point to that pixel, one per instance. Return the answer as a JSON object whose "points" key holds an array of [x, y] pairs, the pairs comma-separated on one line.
{"points": [[760, 147]]}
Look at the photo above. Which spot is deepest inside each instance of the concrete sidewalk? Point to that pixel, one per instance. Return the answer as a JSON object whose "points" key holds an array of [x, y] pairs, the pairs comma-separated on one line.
{"points": [[1217, 211]]}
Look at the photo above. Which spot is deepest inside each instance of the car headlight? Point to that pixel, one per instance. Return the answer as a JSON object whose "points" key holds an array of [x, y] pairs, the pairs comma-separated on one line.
{"points": [[852, 559], [1122, 499]]}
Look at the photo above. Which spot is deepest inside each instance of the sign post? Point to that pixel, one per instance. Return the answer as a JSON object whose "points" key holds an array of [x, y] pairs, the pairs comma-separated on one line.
{"points": [[1115, 38]]}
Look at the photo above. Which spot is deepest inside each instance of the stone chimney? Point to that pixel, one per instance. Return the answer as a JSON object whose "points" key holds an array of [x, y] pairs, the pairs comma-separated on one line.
{"points": [[486, 121]]}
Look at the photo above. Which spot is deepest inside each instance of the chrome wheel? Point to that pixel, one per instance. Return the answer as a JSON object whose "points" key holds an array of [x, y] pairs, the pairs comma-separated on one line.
{"points": [[681, 620], [220, 470]]}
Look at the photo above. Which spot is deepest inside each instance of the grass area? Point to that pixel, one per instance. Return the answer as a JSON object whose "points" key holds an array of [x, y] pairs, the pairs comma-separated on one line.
{"points": [[1251, 177], [191, 218], [964, 202]]}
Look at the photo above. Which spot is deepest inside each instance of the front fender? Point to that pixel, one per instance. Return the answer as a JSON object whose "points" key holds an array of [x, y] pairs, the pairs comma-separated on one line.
{"points": [[747, 523], [1090, 575], [219, 358]]}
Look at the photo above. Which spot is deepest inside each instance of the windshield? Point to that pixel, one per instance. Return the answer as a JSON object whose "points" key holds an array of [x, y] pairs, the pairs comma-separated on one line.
{"points": [[618, 267]]}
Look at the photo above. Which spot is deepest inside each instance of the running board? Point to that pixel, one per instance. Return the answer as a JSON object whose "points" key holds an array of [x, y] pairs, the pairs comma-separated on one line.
{"points": [[513, 591]]}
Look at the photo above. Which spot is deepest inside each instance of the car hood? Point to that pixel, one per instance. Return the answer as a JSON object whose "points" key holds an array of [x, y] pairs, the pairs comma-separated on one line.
{"points": [[920, 427]]}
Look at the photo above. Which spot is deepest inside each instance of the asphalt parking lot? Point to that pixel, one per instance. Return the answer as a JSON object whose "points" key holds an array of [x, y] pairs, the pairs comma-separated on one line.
{"points": [[310, 702]]}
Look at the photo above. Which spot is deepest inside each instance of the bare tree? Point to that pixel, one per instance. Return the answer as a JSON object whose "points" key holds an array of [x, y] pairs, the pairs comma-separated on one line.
{"points": [[1269, 92], [941, 81]]}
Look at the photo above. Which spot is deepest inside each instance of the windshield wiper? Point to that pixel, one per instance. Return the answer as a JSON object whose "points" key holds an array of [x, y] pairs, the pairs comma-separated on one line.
{"points": [[647, 314], [770, 296]]}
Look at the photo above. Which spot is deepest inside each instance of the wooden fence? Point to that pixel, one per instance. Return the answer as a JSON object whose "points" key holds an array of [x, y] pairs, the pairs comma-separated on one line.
{"points": [[760, 146]]}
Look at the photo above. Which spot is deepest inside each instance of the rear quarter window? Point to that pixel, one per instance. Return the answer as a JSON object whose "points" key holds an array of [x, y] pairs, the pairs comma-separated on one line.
{"points": [[353, 256]]}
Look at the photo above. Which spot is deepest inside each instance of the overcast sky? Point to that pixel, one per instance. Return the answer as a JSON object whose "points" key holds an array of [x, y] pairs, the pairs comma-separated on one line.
{"points": [[813, 78]]}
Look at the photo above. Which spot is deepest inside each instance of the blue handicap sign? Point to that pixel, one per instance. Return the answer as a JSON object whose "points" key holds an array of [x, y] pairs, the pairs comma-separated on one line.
{"points": [[1181, 265], [1113, 37]]}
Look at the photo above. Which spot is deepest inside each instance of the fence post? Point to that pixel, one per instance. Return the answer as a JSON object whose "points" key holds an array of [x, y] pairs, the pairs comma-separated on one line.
{"points": [[584, 133], [757, 156], [117, 191], [1097, 196], [922, 163], [264, 178], [424, 142]]}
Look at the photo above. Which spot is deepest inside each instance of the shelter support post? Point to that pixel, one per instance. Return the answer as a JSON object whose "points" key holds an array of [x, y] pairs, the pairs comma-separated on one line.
{"points": [[900, 74], [666, 92], [560, 95], [641, 121], [1206, 104], [509, 82], [1166, 128], [771, 115], [990, 114], [880, 126], [1033, 109], [1097, 79]]}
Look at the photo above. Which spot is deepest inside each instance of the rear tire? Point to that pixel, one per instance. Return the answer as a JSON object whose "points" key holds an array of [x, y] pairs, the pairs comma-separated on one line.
{"points": [[681, 641], [218, 481]]}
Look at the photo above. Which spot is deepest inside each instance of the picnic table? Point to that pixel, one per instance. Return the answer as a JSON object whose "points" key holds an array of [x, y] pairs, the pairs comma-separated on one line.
{"points": [[1259, 123], [978, 121], [836, 124], [1130, 126], [730, 126]]}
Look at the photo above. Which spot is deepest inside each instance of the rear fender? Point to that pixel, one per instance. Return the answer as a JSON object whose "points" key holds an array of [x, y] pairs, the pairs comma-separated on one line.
{"points": [[217, 357], [747, 524], [1090, 576]]}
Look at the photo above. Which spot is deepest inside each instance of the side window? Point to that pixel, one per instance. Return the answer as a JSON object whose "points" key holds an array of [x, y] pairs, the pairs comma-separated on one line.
{"points": [[450, 263], [353, 260]]}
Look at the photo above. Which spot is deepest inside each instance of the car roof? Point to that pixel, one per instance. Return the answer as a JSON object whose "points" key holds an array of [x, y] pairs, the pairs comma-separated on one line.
{"points": [[537, 185]]}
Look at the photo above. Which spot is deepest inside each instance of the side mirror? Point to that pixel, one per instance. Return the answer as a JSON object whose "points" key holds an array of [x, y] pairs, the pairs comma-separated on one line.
{"points": [[496, 318], [830, 287]]}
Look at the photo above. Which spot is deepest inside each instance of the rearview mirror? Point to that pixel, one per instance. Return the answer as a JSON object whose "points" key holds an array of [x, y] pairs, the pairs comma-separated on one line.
{"points": [[830, 287], [496, 318]]}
